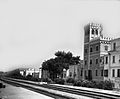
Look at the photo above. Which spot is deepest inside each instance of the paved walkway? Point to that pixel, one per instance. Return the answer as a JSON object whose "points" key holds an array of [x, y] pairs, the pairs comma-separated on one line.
{"points": [[13, 92], [92, 89]]}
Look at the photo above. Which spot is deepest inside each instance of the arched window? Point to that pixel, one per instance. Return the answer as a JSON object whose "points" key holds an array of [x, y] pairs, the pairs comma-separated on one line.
{"points": [[96, 32], [92, 31]]}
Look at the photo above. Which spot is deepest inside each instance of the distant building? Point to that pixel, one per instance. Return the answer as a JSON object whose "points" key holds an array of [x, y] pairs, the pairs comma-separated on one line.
{"points": [[45, 74], [76, 71], [29, 71]]}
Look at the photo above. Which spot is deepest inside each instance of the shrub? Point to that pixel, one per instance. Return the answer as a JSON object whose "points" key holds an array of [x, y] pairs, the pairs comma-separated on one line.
{"points": [[59, 81], [99, 84], [91, 84], [78, 83], [31, 78], [84, 83], [70, 80], [108, 85], [48, 80]]}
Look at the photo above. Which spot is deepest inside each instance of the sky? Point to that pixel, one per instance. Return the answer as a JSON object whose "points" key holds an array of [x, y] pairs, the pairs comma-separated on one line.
{"points": [[31, 31]]}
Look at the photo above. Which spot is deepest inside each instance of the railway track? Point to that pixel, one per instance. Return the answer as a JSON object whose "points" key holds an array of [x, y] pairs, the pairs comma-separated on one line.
{"points": [[35, 89], [79, 92]]}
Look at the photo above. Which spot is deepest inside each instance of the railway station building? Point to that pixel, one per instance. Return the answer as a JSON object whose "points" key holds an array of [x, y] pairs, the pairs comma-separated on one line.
{"points": [[96, 46], [101, 55]]}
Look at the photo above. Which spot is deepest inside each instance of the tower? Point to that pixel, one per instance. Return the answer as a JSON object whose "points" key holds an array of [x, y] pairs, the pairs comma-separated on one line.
{"points": [[94, 44], [92, 31]]}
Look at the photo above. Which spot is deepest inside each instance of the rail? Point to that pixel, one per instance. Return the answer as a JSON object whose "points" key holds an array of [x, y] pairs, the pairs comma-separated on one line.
{"points": [[72, 90]]}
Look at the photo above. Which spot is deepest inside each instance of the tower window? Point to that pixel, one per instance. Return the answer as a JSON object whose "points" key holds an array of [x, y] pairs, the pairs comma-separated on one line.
{"points": [[91, 50], [96, 61], [90, 61], [106, 48], [106, 60], [96, 48]]}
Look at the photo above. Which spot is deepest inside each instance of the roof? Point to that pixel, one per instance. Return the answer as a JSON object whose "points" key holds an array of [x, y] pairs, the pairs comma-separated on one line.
{"points": [[115, 39]]}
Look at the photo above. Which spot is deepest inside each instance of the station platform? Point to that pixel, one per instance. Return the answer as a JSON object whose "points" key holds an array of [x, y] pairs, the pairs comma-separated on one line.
{"points": [[13, 92]]}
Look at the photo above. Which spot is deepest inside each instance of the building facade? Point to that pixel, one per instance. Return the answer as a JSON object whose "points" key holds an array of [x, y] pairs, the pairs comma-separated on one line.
{"points": [[112, 66], [76, 71], [29, 71], [95, 47]]}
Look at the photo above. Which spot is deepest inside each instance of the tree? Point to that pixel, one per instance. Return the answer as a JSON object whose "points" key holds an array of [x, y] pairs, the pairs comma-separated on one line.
{"points": [[62, 60]]}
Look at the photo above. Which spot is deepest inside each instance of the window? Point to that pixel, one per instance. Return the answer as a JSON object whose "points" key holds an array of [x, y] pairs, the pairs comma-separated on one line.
{"points": [[96, 32], [106, 61], [102, 60], [101, 72], [92, 31], [113, 59], [85, 73], [81, 72], [85, 50], [114, 46], [119, 58], [70, 74], [90, 61], [96, 61], [91, 50], [106, 48], [32, 74], [85, 62], [113, 73], [96, 48], [106, 73], [118, 73], [96, 72], [89, 74]]}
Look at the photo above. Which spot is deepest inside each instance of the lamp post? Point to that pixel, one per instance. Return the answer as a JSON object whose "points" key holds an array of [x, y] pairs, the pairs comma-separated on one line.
{"points": [[64, 73], [40, 72]]}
